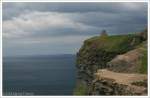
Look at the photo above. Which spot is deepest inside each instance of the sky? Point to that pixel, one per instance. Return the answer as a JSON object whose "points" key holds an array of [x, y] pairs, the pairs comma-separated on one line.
{"points": [[61, 28]]}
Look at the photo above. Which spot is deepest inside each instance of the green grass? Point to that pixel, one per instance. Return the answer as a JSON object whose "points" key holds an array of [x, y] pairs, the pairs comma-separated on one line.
{"points": [[80, 89], [144, 62], [113, 43]]}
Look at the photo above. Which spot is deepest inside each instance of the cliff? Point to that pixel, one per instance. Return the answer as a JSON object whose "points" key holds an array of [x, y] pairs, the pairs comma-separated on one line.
{"points": [[116, 53]]}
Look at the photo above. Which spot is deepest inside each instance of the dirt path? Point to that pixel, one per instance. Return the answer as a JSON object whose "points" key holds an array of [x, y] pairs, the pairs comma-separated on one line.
{"points": [[121, 78]]}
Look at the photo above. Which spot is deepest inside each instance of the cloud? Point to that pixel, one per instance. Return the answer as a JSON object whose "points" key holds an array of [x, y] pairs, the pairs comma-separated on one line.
{"points": [[15, 9], [61, 25], [43, 24]]}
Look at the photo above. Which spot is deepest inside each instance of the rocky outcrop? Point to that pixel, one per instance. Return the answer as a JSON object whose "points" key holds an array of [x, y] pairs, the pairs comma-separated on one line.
{"points": [[128, 62], [111, 83]]}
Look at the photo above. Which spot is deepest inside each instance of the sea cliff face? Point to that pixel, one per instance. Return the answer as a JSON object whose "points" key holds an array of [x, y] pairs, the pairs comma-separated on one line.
{"points": [[116, 53]]}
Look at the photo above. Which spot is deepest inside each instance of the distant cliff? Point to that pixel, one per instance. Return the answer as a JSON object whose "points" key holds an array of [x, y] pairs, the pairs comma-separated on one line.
{"points": [[116, 53]]}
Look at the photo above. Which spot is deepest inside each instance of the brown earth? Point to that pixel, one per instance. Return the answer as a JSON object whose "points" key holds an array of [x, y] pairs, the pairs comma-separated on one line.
{"points": [[121, 78]]}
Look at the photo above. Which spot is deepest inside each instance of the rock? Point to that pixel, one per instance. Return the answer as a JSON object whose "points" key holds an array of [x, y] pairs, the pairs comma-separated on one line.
{"points": [[111, 83], [127, 62]]}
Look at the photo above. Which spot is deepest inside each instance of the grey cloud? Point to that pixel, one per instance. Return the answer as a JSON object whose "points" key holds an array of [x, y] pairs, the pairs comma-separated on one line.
{"points": [[14, 9], [96, 15], [29, 25]]}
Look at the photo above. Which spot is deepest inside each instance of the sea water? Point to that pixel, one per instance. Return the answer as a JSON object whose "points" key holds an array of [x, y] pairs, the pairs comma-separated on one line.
{"points": [[39, 75]]}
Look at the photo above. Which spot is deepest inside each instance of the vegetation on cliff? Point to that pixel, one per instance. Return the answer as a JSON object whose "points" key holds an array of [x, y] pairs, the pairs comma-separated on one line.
{"points": [[98, 51]]}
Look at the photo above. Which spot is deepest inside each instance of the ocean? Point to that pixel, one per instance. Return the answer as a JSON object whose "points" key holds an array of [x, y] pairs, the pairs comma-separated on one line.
{"points": [[39, 75]]}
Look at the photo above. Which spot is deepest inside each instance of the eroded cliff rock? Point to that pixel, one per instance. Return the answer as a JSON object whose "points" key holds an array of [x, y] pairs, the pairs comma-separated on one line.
{"points": [[112, 83], [131, 61]]}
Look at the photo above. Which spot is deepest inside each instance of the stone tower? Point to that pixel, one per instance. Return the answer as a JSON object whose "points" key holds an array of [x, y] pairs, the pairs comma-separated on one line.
{"points": [[103, 33]]}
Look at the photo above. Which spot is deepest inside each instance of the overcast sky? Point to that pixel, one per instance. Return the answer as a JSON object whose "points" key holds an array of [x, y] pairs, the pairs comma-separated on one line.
{"points": [[61, 28]]}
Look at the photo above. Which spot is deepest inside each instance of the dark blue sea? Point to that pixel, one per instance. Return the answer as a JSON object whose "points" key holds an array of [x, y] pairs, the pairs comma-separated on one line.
{"points": [[39, 75]]}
